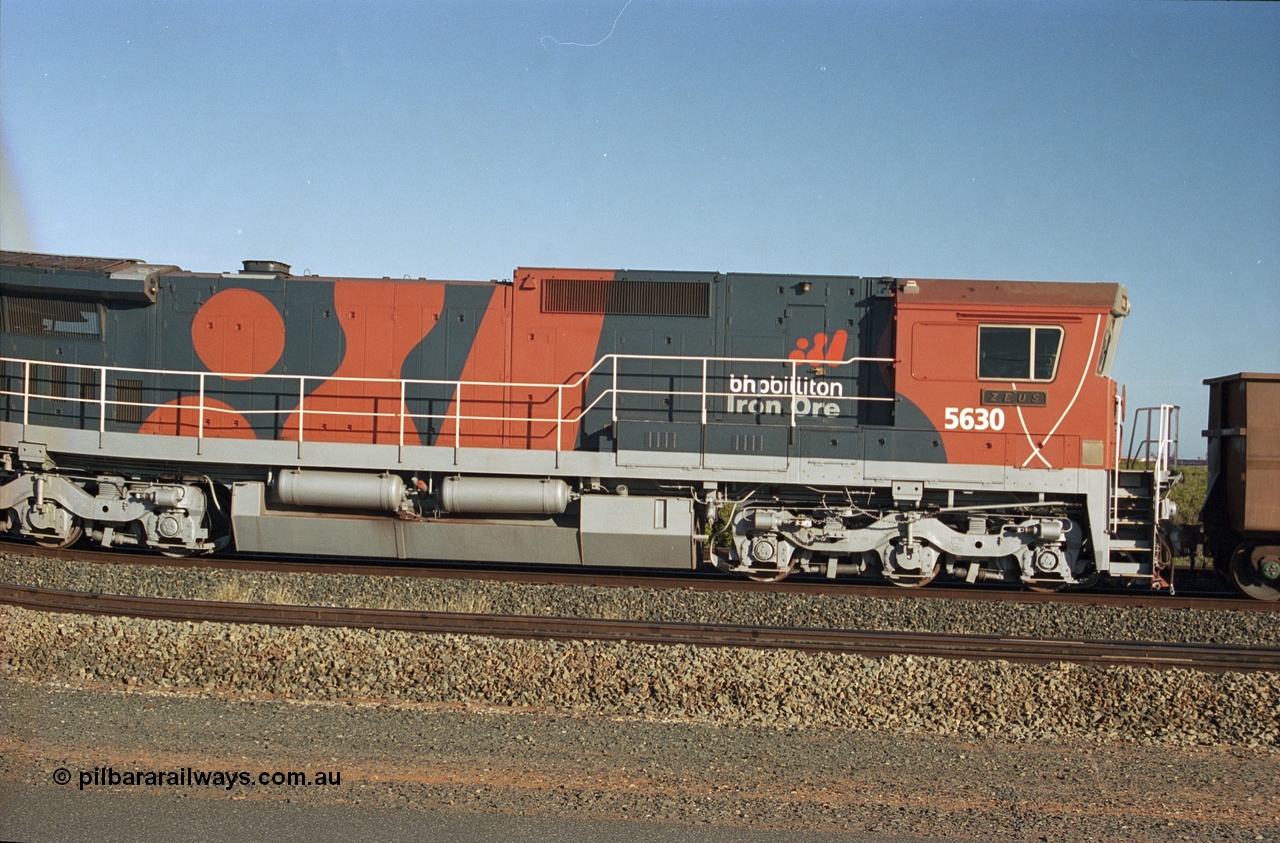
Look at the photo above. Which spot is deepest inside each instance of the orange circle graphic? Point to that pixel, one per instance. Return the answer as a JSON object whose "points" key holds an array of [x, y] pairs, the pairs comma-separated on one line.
{"points": [[238, 333]]}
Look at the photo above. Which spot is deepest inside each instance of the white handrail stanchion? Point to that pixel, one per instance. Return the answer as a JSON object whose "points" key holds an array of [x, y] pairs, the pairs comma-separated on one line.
{"points": [[457, 421], [102, 406], [200, 420], [704, 392], [792, 388], [559, 419], [400, 454], [26, 395], [302, 410]]}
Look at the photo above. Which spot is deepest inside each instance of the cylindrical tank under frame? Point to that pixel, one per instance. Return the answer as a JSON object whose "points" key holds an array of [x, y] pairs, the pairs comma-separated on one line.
{"points": [[457, 495], [339, 489], [510, 495]]}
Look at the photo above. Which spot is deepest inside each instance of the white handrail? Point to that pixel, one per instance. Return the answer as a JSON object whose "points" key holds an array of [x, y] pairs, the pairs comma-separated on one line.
{"points": [[561, 418]]}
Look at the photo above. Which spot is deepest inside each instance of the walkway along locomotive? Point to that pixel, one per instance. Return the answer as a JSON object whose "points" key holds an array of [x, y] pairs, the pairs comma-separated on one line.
{"points": [[898, 428]]}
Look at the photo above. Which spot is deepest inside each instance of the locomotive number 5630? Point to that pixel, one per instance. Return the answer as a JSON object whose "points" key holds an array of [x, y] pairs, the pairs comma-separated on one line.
{"points": [[974, 418]]}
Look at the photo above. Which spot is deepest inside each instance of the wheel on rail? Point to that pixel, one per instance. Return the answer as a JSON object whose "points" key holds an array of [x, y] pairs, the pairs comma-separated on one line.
{"points": [[916, 580], [1255, 569], [59, 542], [771, 560], [769, 576], [1089, 580], [780, 573], [180, 552]]}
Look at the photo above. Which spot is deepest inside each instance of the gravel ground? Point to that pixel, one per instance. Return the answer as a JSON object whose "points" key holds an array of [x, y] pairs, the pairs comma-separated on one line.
{"points": [[762, 739], [721, 685], [779, 608], [522, 762]]}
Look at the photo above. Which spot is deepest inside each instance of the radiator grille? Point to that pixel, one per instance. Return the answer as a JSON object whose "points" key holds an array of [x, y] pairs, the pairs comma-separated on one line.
{"points": [[88, 384], [128, 391], [626, 298], [58, 380], [52, 317]]}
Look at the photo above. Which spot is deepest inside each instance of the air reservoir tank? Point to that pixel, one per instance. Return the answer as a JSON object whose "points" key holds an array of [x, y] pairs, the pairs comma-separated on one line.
{"points": [[511, 495], [340, 489]]}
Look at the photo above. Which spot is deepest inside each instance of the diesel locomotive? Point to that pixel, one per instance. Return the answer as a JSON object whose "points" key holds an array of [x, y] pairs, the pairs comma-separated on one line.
{"points": [[846, 426]]}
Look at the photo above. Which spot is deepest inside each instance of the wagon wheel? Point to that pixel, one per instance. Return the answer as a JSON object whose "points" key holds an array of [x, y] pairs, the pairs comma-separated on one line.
{"points": [[1256, 571]]}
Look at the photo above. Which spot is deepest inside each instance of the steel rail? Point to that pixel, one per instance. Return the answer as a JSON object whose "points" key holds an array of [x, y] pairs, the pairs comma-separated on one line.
{"points": [[1194, 656], [704, 579]]}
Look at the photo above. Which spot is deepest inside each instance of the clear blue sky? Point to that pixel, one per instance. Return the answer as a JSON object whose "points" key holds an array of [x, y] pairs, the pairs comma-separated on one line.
{"points": [[1089, 141]]}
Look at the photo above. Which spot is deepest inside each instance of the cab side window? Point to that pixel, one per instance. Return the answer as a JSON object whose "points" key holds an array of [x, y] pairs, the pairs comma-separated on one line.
{"points": [[1018, 353]]}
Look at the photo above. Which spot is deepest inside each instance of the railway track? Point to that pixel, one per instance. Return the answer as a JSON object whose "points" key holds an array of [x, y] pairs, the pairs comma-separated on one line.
{"points": [[1200, 598], [1197, 656]]}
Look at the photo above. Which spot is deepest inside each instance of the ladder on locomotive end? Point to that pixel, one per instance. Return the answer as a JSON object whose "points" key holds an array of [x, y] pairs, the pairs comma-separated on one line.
{"points": [[1140, 505]]}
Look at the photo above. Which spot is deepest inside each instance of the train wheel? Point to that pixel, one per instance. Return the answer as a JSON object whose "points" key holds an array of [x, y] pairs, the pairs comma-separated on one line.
{"points": [[916, 580], [761, 575], [1089, 580], [773, 576], [59, 542], [1256, 571]]}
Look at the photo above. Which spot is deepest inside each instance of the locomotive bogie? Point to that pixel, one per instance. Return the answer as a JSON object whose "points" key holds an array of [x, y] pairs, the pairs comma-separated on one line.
{"points": [[56, 511], [908, 548]]}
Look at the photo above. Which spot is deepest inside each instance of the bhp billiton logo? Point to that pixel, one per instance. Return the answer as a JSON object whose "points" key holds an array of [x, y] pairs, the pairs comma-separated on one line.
{"points": [[820, 348], [801, 395]]}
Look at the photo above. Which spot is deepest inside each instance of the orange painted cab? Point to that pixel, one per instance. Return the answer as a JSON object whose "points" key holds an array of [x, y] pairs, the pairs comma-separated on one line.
{"points": [[1013, 373]]}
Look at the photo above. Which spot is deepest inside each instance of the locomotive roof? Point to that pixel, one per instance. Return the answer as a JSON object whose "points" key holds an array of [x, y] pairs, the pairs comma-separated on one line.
{"points": [[1035, 293], [913, 291], [42, 261]]}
